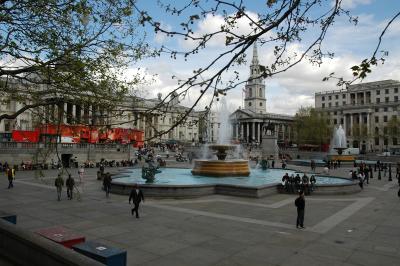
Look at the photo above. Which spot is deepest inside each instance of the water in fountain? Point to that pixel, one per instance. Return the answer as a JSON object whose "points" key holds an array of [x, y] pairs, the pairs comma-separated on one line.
{"points": [[225, 130], [339, 139]]}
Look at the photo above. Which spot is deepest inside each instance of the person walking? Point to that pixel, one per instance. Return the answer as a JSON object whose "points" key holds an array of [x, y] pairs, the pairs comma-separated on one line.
{"points": [[59, 183], [10, 172], [70, 183], [136, 196], [107, 183], [300, 203]]}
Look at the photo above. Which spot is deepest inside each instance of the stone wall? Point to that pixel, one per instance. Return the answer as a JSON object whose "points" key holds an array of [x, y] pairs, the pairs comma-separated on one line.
{"points": [[22, 247]]}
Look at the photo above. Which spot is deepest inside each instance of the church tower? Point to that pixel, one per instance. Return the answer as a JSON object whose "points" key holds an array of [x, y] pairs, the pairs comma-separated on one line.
{"points": [[255, 88]]}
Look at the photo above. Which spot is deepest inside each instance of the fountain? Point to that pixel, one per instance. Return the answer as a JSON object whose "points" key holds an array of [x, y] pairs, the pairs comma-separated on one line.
{"points": [[221, 167], [339, 144]]}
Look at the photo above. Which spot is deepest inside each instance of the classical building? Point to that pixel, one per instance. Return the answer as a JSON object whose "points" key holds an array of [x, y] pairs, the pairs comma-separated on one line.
{"points": [[369, 113], [247, 122], [132, 113]]}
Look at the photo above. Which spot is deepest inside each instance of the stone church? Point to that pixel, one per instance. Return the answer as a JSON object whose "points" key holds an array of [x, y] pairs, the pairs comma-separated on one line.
{"points": [[247, 122]]}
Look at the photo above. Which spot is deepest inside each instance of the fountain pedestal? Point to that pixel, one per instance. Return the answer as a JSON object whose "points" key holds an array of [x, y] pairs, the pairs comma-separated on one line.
{"points": [[269, 147]]}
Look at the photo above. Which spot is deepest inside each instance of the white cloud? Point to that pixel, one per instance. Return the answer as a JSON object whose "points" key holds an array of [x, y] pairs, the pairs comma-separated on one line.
{"points": [[213, 23], [350, 4]]}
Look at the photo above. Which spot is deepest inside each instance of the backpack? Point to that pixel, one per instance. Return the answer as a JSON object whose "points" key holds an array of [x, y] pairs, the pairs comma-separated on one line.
{"points": [[10, 173]]}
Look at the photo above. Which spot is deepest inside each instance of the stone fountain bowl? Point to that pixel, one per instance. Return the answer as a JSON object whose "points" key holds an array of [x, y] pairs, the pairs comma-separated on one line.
{"points": [[222, 147]]}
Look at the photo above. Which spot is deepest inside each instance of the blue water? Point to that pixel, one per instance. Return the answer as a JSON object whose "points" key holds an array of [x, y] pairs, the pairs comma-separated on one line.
{"points": [[257, 177]]}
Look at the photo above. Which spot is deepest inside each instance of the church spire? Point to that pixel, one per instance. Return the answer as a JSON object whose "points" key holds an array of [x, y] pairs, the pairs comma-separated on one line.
{"points": [[254, 61]]}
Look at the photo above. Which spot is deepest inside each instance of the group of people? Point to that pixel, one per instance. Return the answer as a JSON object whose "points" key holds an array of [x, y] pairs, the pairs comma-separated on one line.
{"points": [[293, 183]]}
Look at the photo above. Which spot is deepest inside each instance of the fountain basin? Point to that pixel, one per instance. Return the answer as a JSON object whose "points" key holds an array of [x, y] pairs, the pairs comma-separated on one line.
{"points": [[180, 183], [221, 168]]}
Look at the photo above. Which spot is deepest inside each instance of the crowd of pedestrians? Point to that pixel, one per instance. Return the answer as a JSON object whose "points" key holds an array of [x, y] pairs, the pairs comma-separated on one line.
{"points": [[295, 183]]}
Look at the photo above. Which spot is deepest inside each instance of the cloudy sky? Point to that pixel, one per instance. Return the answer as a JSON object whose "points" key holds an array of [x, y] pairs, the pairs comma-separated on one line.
{"points": [[288, 91]]}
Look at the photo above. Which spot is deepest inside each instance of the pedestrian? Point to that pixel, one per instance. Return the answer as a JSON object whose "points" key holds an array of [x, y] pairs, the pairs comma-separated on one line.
{"points": [[273, 163], [59, 183], [136, 196], [70, 183], [107, 183], [300, 203], [366, 176], [360, 181], [81, 171], [313, 181], [10, 172]]}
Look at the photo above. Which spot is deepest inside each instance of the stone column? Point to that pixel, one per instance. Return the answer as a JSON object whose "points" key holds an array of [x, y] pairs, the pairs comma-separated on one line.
{"points": [[73, 115], [247, 132], [253, 130], [237, 125], [351, 125], [259, 132]]}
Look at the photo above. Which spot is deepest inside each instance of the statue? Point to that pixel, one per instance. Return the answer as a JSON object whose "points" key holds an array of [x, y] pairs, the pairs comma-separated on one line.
{"points": [[269, 129], [149, 173], [264, 164]]}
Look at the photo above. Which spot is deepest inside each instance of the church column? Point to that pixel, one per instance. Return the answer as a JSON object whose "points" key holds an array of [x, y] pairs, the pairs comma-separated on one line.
{"points": [[237, 130], [351, 125], [253, 131], [259, 132], [248, 132]]}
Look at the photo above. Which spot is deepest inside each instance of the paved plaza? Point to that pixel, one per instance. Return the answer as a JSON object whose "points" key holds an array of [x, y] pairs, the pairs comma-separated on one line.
{"points": [[357, 229]]}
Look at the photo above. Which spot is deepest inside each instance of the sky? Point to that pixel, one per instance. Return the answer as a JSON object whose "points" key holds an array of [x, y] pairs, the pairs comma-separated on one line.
{"points": [[288, 91]]}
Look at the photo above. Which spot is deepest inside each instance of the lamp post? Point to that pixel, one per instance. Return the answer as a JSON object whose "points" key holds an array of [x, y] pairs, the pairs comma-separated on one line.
{"points": [[390, 172], [379, 173]]}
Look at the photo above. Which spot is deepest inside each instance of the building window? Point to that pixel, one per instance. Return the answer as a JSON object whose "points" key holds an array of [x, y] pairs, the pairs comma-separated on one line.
{"points": [[377, 141], [376, 131], [344, 96], [329, 97], [323, 105], [336, 104], [385, 109], [330, 104], [385, 130], [386, 99], [365, 119], [385, 118], [323, 98], [396, 90], [395, 141], [387, 91], [378, 100], [376, 119], [335, 121], [336, 97], [261, 92], [396, 98], [335, 113], [378, 92], [250, 92], [385, 141], [344, 103], [249, 103], [341, 121], [376, 109], [260, 104]]}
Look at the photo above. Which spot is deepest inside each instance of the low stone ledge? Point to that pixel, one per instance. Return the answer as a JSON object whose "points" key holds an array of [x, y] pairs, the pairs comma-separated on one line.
{"points": [[25, 248]]}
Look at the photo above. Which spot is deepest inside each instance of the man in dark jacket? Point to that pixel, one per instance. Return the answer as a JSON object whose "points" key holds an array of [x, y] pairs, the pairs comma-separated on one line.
{"points": [[300, 204], [107, 183], [70, 186], [136, 196]]}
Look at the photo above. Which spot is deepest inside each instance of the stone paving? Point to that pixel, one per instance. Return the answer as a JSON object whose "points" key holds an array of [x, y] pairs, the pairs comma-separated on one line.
{"points": [[358, 229]]}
